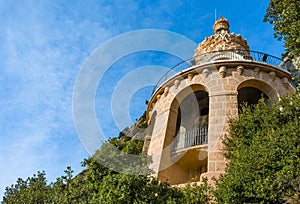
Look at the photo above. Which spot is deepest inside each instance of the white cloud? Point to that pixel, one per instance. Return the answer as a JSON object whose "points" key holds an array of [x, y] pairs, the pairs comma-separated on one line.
{"points": [[42, 47], [39, 63]]}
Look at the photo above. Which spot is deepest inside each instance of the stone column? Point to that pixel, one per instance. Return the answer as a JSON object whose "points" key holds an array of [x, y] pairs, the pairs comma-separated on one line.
{"points": [[156, 145], [223, 106]]}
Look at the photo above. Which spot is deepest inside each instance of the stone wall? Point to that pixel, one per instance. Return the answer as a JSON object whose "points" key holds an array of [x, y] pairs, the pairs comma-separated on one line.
{"points": [[221, 80]]}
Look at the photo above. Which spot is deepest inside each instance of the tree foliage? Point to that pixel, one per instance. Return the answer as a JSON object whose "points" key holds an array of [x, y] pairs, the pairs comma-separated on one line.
{"points": [[285, 16], [264, 153], [32, 190], [263, 149], [99, 184]]}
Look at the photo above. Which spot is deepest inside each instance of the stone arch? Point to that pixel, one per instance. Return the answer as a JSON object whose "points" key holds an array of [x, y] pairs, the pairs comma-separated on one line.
{"points": [[174, 109], [183, 162], [250, 91], [261, 85], [181, 94]]}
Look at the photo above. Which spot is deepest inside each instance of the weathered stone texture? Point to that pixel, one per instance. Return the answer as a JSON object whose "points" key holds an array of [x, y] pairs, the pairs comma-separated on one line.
{"points": [[223, 91]]}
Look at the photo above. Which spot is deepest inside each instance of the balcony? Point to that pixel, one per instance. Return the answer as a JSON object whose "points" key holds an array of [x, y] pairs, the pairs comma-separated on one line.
{"points": [[232, 55], [191, 138]]}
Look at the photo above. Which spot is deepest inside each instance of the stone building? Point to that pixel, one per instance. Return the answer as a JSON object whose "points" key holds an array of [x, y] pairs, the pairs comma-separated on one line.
{"points": [[188, 112]]}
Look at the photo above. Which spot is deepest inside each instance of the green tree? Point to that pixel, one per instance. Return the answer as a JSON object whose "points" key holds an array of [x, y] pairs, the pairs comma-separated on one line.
{"points": [[99, 184], [264, 153], [193, 193], [285, 16], [32, 190]]}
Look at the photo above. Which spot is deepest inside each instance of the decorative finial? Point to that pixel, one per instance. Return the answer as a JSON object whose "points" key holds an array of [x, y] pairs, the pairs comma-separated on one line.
{"points": [[221, 40], [221, 24]]}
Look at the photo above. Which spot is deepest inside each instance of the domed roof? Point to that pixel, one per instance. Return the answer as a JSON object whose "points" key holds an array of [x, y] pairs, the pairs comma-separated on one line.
{"points": [[222, 39]]}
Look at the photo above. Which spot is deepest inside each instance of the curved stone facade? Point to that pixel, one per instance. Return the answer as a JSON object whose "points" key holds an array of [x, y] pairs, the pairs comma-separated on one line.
{"points": [[223, 104], [227, 83]]}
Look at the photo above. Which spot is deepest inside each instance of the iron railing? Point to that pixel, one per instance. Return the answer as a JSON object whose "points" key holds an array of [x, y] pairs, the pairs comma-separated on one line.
{"points": [[191, 138], [223, 55]]}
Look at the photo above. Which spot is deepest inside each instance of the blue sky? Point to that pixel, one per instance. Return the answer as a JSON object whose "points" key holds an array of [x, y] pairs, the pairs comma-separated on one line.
{"points": [[43, 45]]}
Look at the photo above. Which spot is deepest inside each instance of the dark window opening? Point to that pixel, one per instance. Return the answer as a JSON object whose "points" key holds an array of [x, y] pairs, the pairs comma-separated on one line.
{"points": [[250, 96]]}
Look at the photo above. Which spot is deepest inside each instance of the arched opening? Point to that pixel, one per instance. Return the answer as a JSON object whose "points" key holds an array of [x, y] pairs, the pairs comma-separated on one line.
{"points": [[186, 136], [250, 96], [192, 120], [251, 91]]}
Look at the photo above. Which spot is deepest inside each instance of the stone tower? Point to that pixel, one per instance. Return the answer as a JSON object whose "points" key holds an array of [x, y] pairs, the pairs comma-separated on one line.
{"points": [[188, 112]]}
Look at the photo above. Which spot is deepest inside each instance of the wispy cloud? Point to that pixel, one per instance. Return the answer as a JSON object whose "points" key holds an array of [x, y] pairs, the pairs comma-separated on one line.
{"points": [[40, 58], [42, 47]]}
